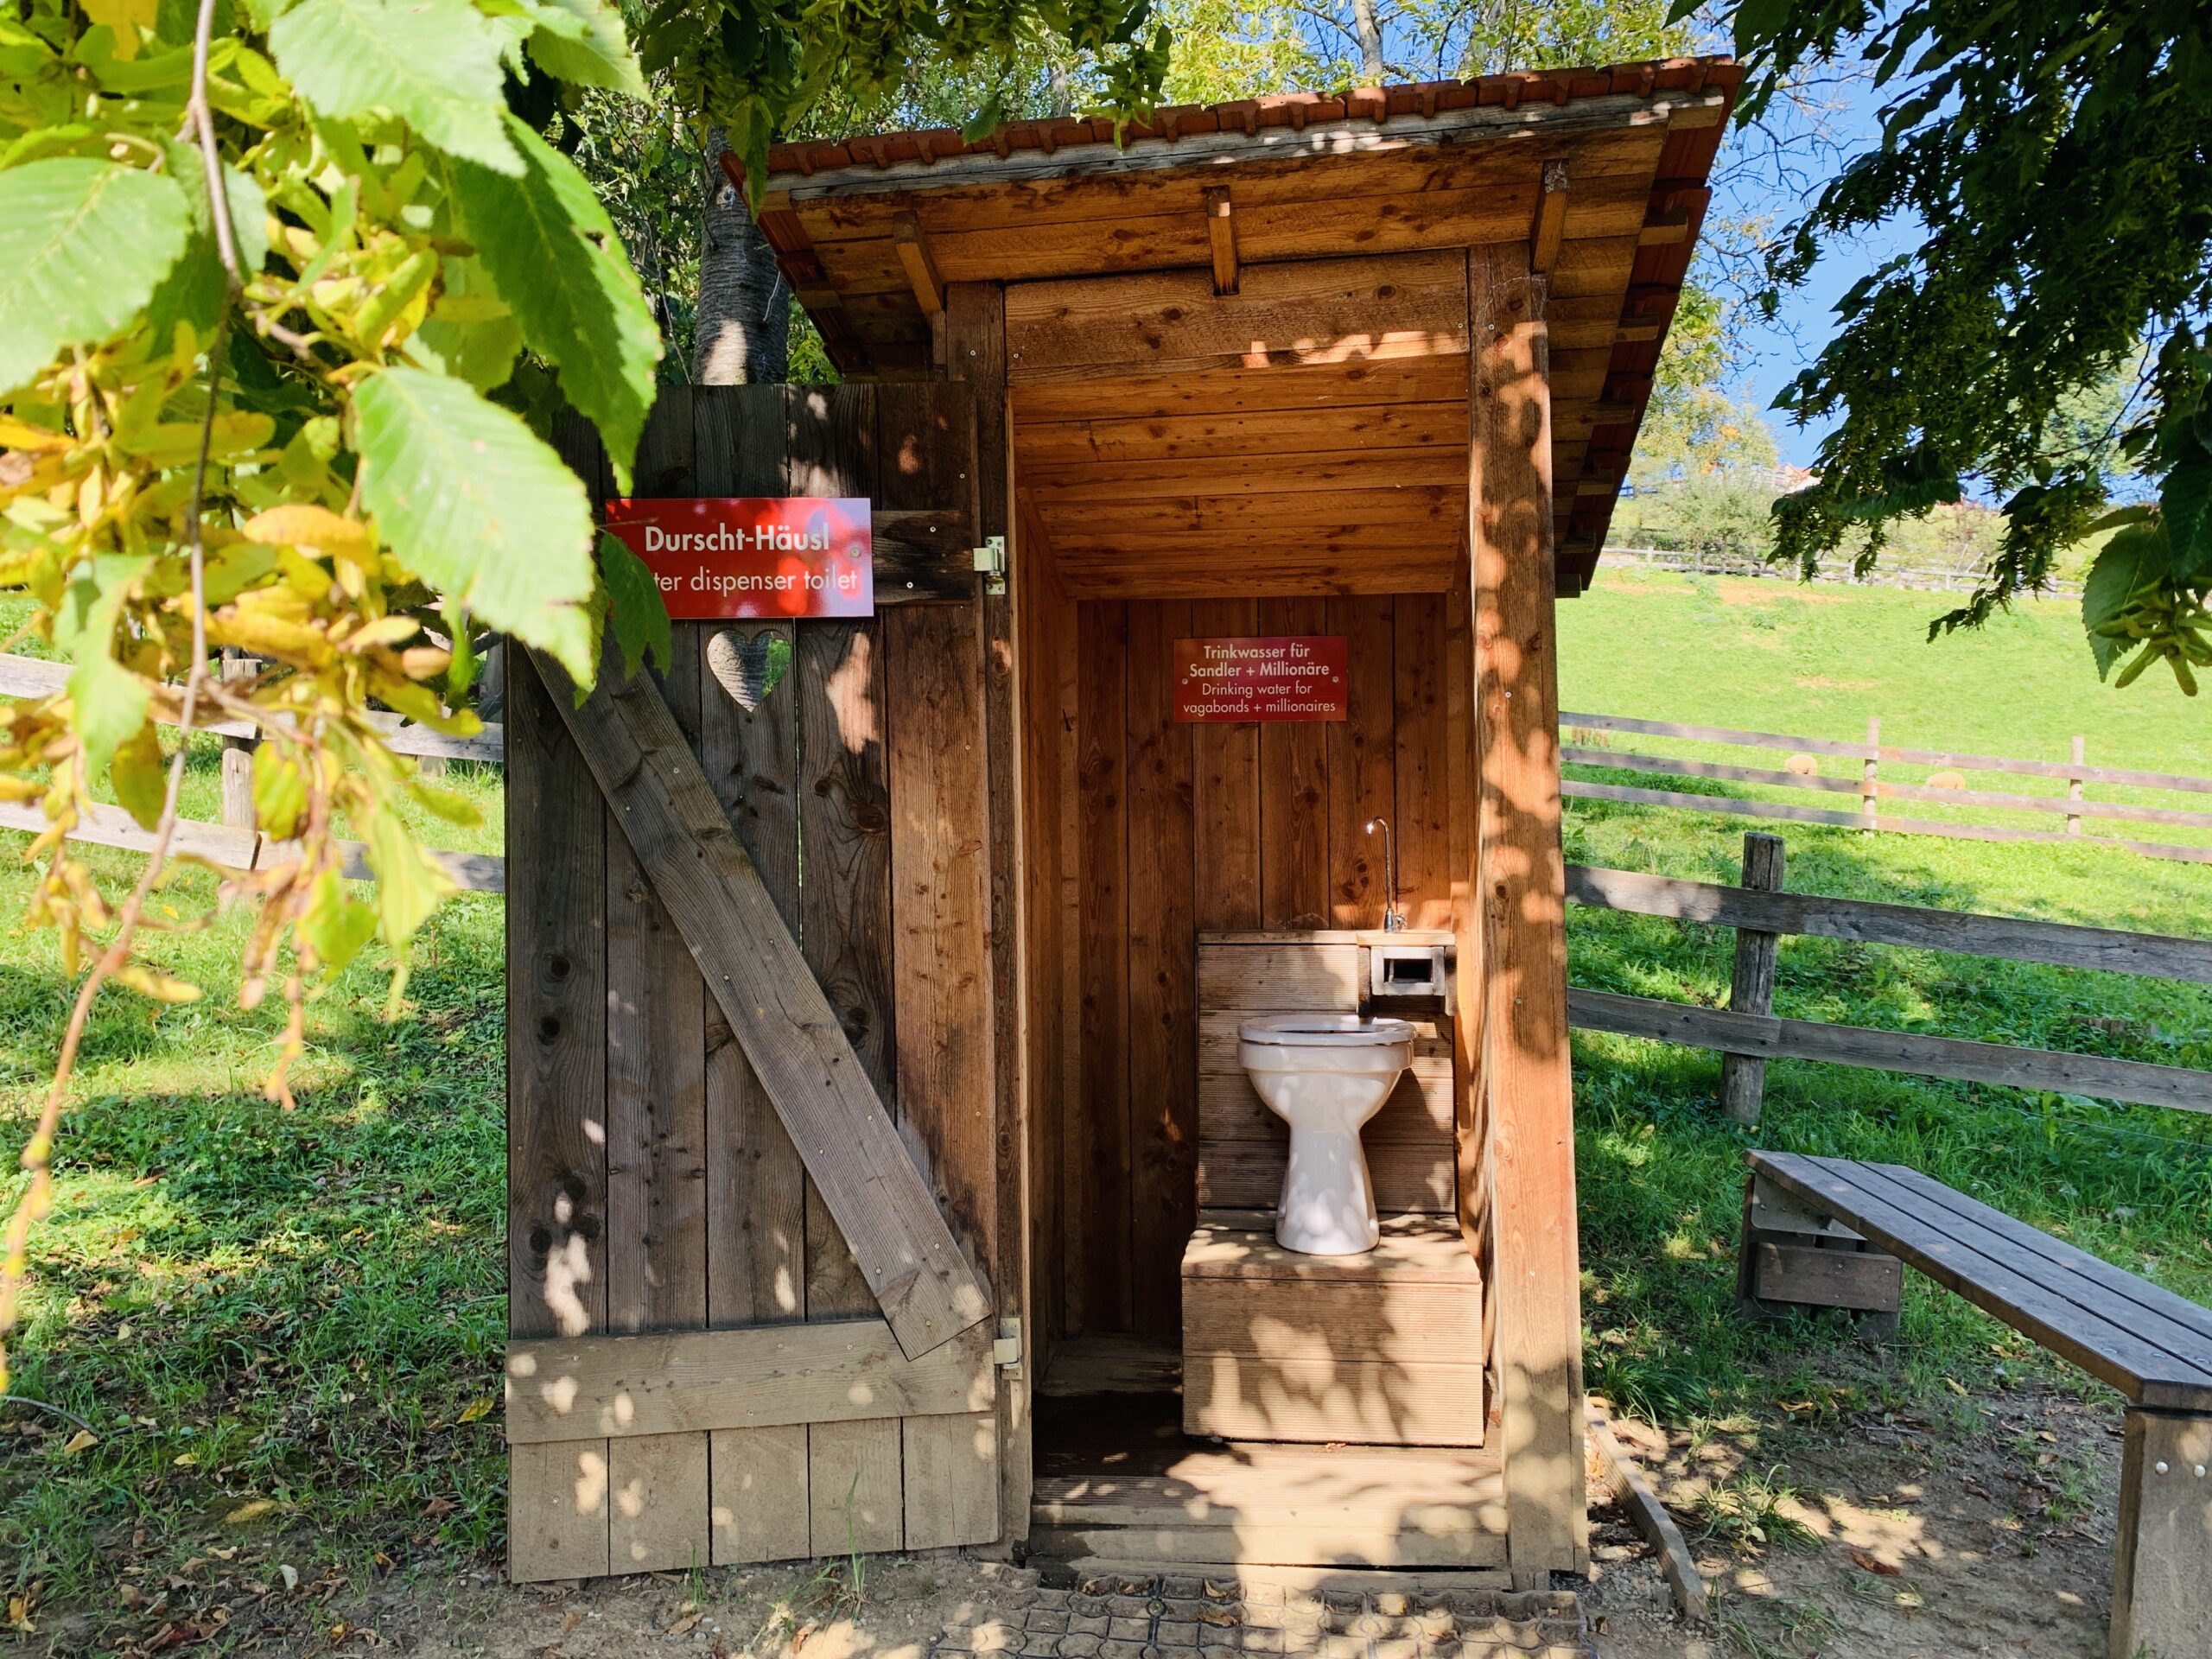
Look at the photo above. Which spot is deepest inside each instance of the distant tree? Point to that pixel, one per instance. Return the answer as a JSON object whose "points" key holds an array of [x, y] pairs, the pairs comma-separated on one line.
{"points": [[2059, 154]]}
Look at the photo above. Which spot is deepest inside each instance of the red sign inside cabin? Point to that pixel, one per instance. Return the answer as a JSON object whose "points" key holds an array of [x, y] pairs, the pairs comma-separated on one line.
{"points": [[1292, 677], [757, 557]]}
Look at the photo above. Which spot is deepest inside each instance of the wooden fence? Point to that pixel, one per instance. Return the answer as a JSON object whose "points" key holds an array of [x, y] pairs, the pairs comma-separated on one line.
{"points": [[1749, 1035], [1745, 1032], [1870, 789], [1957, 578], [235, 844]]}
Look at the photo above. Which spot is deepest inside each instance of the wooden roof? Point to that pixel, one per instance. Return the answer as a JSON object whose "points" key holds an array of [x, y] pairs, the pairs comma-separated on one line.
{"points": [[1329, 211]]}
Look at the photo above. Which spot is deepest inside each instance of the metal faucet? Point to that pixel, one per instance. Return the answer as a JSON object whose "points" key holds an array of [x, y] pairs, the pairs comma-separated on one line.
{"points": [[1394, 919]]}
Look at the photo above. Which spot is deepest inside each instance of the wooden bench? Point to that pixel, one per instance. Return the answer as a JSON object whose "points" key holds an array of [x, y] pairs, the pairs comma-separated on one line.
{"points": [[2153, 1346]]}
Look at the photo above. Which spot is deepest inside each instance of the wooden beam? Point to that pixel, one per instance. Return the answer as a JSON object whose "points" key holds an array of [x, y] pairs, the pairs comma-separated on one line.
{"points": [[1520, 876], [1304, 312], [1550, 222], [680, 1382], [975, 355], [1221, 238], [920, 266], [775, 1006]]}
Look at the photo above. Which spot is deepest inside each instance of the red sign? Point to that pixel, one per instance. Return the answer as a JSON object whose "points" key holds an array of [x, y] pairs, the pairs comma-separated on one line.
{"points": [[1294, 677], [753, 555]]}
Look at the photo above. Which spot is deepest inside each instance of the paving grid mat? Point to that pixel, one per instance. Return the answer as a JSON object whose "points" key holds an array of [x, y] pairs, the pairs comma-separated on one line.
{"points": [[1218, 1618]]}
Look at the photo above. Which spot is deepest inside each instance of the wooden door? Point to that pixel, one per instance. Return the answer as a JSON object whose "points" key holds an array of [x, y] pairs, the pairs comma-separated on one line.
{"points": [[732, 1342]]}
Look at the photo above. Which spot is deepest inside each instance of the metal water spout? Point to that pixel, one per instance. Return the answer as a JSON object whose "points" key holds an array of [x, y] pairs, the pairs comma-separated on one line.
{"points": [[1394, 919]]}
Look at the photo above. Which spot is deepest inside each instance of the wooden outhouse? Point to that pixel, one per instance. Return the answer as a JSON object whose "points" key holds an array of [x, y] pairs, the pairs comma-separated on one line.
{"points": [[882, 1175]]}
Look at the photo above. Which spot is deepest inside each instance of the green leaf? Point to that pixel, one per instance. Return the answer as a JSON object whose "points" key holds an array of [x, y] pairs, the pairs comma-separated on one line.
{"points": [[140, 776], [470, 332], [192, 291], [597, 54], [2186, 505], [434, 63], [409, 882], [335, 926], [87, 241], [2133, 561], [280, 791], [641, 618], [477, 506], [110, 702], [551, 248]]}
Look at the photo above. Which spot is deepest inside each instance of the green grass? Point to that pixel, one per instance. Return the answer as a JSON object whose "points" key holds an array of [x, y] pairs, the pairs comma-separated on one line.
{"points": [[283, 1328], [1772, 655], [290, 1318]]}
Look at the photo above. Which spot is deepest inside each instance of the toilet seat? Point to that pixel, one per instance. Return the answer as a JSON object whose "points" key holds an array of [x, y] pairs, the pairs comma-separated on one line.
{"points": [[1324, 1031]]}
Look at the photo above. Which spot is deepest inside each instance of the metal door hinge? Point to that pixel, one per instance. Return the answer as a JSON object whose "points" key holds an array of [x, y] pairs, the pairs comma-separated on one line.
{"points": [[1006, 1350], [990, 564]]}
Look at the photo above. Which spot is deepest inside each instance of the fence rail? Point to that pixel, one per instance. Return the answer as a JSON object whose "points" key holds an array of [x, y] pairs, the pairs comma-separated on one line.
{"points": [[30, 676], [1870, 789], [1749, 1035], [1718, 562]]}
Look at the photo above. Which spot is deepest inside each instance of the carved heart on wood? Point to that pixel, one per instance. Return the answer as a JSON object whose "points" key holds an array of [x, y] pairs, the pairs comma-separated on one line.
{"points": [[749, 663]]}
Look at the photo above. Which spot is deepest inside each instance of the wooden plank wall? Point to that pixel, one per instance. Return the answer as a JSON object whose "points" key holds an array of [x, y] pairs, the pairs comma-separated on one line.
{"points": [[1171, 830], [693, 1209]]}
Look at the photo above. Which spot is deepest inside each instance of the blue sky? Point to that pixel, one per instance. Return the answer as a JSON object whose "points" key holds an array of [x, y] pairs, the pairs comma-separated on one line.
{"points": [[1808, 318]]}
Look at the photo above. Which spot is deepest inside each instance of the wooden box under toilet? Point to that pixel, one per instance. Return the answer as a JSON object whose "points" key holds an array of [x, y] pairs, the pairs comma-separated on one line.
{"points": [[1381, 1348], [1384, 1349]]}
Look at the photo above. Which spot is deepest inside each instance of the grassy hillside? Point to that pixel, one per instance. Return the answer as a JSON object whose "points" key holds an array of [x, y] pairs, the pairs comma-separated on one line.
{"points": [[1778, 656]]}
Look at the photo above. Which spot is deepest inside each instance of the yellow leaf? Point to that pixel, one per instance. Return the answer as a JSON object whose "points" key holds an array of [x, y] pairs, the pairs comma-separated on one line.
{"points": [[126, 18], [476, 1409], [83, 1439], [384, 630], [160, 987], [186, 1460], [300, 524], [22, 435]]}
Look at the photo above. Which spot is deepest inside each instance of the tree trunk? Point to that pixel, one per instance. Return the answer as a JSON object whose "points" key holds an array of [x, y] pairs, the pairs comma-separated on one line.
{"points": [[1369, 27], [742, 336]]}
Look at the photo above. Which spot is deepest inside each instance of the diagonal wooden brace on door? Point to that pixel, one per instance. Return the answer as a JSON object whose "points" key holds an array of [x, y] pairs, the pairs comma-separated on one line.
{"points": [[751, 964]]}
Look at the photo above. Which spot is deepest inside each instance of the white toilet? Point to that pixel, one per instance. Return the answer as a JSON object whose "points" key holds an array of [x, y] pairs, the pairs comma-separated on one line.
{"points": [[1325, 1075]]}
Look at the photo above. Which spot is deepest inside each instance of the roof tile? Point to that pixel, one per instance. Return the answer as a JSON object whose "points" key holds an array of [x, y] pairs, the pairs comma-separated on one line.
{"points": [[1297, 111]]}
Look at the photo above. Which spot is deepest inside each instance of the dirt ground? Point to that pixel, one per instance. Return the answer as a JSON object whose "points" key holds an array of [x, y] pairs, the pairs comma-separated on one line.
{"points": [[1899, 1538], [1988, 1532]]}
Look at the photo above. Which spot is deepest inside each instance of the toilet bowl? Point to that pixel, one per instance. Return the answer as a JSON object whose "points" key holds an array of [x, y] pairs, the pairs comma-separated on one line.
{"points": [[1325, 1075]]}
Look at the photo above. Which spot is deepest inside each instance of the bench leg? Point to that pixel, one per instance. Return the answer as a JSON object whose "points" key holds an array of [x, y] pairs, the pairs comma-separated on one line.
{"points": [[2162, 1581], [1788, 1257]]}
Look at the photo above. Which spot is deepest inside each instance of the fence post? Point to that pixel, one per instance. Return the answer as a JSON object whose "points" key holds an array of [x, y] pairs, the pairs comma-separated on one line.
{"points": [[2074, 787], [1751, 987], [1868, 768], [237, 752]]}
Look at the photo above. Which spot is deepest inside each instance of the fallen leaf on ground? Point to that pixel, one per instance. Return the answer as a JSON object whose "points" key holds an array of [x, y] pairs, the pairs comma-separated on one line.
{"points": [[1873, 1563], [82, 1440]]}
